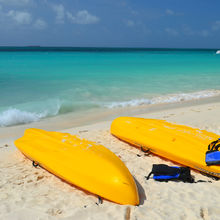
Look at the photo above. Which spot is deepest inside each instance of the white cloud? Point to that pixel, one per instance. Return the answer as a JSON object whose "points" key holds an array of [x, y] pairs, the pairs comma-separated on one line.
{"points": [[133, 12], [191, 32], [16, 2], [15, 17], [216, 26], [173, 13], [130, 23], [20, 17], [60, 13], [169, 12], [204, 33], [171, 31], [40, 24], [82, 17]]}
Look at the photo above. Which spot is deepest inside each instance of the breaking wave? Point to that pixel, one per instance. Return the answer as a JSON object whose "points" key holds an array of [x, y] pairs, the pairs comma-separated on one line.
{"points": [[172, 98], [32, 112], [16, 116]]}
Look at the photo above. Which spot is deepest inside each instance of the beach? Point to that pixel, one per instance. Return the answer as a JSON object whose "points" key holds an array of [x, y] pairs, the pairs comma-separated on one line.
{"points": [[72, 76], [33, 193]]}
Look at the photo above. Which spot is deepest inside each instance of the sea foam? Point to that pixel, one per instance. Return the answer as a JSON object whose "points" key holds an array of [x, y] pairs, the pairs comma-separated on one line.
{"points": [[29, 112], [172, 98], [15, 116]]}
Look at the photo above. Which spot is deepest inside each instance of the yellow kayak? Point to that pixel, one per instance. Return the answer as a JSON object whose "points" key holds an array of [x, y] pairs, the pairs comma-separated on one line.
{"points": [[178, 143], [83, 163]]}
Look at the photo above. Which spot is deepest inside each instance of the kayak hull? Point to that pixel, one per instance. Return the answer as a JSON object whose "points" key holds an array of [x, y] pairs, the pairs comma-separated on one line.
{"points": [[179, 143], [83, 163]]}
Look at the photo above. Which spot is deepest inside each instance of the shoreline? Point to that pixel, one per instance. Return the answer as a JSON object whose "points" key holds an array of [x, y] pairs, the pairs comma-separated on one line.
{"points": [[73, 120]]}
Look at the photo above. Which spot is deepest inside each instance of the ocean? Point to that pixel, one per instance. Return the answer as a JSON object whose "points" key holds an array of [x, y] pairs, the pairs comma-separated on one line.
{"points": [[37, 82]]}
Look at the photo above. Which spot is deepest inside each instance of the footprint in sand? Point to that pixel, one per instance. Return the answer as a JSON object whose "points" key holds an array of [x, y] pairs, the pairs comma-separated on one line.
{"points": [[204, 213], [54, 211]]}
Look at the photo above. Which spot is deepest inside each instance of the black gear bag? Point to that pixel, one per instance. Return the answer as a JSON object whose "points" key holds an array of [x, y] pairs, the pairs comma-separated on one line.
{"points": [[164, 173]]}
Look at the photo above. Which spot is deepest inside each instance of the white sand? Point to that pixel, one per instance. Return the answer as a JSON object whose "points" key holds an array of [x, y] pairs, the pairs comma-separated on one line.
{"points": [[28, 193]]}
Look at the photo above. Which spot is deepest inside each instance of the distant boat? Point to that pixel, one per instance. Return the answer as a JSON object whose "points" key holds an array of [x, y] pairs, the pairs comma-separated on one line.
{"points": [[31, 45], [218, 52]]}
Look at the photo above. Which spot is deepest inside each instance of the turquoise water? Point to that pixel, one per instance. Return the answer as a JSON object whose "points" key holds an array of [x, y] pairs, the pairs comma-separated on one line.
{"points": [[43, 82]]}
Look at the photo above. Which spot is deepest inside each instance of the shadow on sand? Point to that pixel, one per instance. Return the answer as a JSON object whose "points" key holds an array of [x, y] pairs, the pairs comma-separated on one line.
{"points": [[141, 192]]}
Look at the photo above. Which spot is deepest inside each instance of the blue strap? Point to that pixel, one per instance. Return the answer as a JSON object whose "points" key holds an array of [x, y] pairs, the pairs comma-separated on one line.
{"points": [[165, 177], [212, 158]]}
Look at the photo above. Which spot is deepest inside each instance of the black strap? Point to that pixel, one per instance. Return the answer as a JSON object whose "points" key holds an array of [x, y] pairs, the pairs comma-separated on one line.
{"points": [[203, 181], [145, 151], [148, 177], [35, 164], [217, 146], [185, 175], [100, 201], [210, 176], [212, 146]]}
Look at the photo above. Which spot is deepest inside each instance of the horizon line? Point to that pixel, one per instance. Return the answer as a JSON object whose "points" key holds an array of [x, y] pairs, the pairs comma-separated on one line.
{"points": [[93, 47]]}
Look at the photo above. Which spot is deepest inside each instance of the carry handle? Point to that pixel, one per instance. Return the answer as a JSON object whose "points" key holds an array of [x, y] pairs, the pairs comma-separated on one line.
{"points": [[212, 146]]}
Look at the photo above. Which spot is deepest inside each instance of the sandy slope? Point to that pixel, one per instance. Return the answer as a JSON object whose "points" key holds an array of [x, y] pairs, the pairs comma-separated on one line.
{"points": [[33, 193]]}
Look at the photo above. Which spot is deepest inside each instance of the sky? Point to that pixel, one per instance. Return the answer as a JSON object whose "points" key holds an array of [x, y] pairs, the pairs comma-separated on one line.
{"points": [[111, 23]]}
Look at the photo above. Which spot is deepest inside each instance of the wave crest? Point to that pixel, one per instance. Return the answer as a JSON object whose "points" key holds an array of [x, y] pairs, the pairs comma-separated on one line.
{"points": [[32, 112], [15, 116], [172, 98]]}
